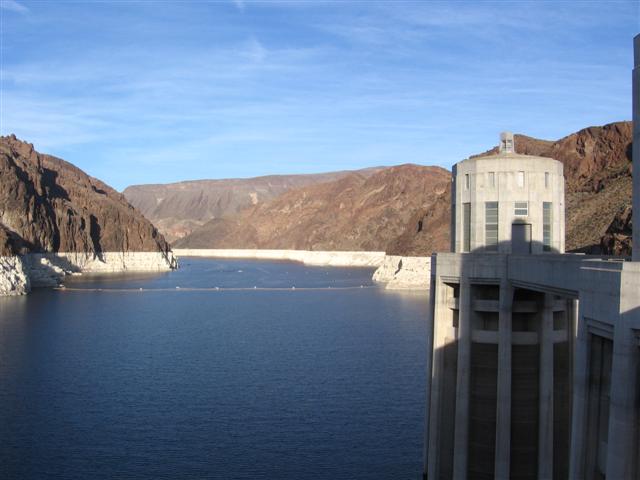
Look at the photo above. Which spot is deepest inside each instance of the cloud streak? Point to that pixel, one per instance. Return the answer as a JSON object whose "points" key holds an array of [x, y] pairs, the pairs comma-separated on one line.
{"points": [[200, 91], [240, 5], [13, 6]]}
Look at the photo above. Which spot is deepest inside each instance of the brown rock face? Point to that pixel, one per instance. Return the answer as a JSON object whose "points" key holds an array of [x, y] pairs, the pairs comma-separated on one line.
{"points": [[177, 209], [48, 205], [406, 210], [10, 244], [591, 156], [597, 168], [356, 212], [617, 239], [428, 231]]}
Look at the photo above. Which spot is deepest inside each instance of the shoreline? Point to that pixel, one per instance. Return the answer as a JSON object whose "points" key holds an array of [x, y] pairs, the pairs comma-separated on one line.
{"points": [[19, 273], [307, 257], [396, 272], [404, 273]]}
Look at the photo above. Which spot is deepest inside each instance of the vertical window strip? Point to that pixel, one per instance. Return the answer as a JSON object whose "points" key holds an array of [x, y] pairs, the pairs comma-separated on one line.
{"points": [[546, 225], [491, 225], [466, 239]]}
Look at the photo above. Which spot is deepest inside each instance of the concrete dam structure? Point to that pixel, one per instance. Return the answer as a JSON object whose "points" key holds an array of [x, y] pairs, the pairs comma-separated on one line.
{"points": [[533, 366]]}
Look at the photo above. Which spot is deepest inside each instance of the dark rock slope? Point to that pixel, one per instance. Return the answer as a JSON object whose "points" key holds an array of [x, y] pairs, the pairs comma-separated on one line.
{"points": [[48, 205], [617, 239]]}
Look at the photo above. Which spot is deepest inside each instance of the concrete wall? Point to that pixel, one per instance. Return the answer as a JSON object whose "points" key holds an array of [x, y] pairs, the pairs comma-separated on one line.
{"points": [[545, 318]]}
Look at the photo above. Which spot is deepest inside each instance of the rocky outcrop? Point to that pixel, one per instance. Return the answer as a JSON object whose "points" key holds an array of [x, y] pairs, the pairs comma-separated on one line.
{"points": [[404, 273], [14, 279], [48, 206], [354, 213], [617, 239], [179, 208]]}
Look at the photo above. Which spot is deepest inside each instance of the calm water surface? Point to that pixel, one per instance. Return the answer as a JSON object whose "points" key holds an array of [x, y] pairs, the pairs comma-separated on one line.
{"points": [[228, 384]]}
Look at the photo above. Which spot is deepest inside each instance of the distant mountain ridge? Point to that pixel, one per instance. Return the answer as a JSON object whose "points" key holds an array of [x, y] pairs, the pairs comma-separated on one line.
{"points": [[414, 219], [179, 208], [355, 212]]}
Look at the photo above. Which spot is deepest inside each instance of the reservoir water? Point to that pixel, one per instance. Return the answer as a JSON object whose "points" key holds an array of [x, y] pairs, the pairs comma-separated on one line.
{"points": [[129, 377]]}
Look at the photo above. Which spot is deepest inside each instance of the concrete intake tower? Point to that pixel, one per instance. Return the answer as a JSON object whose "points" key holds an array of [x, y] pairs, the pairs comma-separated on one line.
{"points": [[533, 355]]}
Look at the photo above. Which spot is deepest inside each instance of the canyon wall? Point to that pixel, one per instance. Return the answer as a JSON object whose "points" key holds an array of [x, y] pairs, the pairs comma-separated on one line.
{"points": [[55, 219]]}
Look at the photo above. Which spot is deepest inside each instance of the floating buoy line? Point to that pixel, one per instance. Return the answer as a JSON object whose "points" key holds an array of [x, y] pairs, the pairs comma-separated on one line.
{"points": [[211, 289]]}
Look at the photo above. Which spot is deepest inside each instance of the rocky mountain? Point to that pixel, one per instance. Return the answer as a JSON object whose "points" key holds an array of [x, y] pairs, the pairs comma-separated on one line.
{"points": [[49, 205], [355, 212], [597, 167], [406, 210], [179, 208]]}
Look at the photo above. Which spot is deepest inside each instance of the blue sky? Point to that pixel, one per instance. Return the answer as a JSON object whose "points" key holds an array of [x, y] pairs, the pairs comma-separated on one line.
{"points": [[155, 92]]}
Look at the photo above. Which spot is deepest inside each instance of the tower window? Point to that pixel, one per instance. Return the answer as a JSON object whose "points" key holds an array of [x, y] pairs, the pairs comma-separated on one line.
{"points": [[521, 209], [491, 225], [546, 226], [546, 179], [467, 181], [521, 179], [492, 179], [466, 227]]}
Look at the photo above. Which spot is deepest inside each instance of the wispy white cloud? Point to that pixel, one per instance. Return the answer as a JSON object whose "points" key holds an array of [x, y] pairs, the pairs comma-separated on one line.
{"points": [[363, 84], [240, 5], [13, 6]]}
